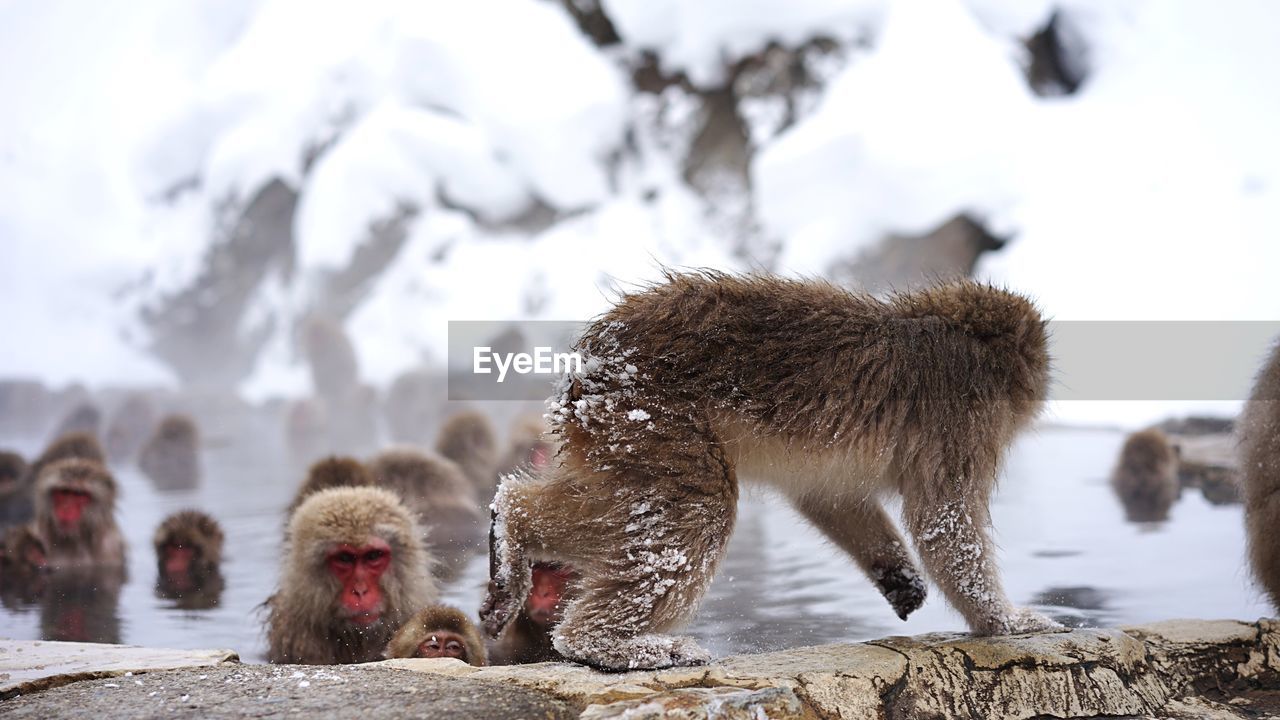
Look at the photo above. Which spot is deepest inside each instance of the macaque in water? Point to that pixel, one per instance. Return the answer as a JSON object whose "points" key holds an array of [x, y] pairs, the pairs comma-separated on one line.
{"points": [[75, 515], [1146, 476], [468, 439], [16, 504], [71, 445], [23, 559], [330, 473], [527, 638], [1260, 462], [130, 425], [832, 397], [354, 572], [412, 406], [84, 418], [442, 499], [188, 555], [528, 445], [171, 457], [435, 632]]}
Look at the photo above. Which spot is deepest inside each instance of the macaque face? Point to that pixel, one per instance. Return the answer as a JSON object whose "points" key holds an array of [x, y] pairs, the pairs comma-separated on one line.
{"points": [[539, 455], [69, 506], [442, 643], [545, 599], [359, 570]]}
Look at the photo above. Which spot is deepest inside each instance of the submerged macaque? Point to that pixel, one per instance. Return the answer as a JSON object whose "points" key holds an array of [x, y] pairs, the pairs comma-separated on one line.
{"points": [[832, 397], [437, 492], [171, 457], [75, 515], [130, 425], [188, 554], [1146, 476], [527, 638], [331, 472], [1260, 461], [435, 632], [16, 502], [354, 571], [468, 439], [22, 556]]}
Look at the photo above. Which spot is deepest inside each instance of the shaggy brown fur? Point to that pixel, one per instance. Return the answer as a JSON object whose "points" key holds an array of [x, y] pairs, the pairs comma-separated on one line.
{"points": [[71, 445], [830, 396], [1260, 458], [171, 457], [528, 444], [95, 541], [303, 623], [468, 439], [330, 473], [1146, 476], [191, 529], [16, 504], [523, 641], [438, 619], [22, 555], [441, 497]]}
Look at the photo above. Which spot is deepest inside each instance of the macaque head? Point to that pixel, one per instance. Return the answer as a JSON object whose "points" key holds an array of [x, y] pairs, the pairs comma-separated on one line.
{"points": [[438, 632], [358, 568], [74, 498], [188, 550], [12, 471], [546, 598]]}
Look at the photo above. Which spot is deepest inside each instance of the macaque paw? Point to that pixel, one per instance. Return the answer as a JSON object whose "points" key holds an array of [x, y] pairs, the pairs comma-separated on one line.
{"points": [[498, 608], [1022, 621], [903, 587], [643, 652]]}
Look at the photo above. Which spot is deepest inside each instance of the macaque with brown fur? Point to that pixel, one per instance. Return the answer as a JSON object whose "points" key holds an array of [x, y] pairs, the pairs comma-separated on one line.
{"points": [[71, 445], [1146, 476], [442, 499], [171, 457], [468, 439], [328, 473], [438, 631], [188, 555], [1260, 462], [16, 502], [832, 397], [75, 515], [23, 558], [354, 571], [527, 638], [528, 445]]}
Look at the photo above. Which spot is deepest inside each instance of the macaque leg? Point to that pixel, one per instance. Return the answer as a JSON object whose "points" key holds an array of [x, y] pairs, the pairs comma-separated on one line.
{"points": [[947, 514], [863, 530]]}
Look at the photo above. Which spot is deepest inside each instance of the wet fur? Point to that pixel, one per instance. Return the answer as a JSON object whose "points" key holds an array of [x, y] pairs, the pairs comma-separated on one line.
{"points": [[832, 397], [1260, 460], [437, 617], [435, 489], [196, 530], [328, 473], [1146, 476], [171, 456], [97, 541]]}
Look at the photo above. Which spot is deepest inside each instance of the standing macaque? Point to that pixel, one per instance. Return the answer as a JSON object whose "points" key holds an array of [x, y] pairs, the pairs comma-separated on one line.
{"points": [[442, 499], [130, 425], [15, 490], [354, 571], [527, 638], [188, 555], [331, 472], [438, 631], [75, 515], [468, 439], [528, 444], [1260, 460], [171, 457], [832, 397], [1146, 477]]}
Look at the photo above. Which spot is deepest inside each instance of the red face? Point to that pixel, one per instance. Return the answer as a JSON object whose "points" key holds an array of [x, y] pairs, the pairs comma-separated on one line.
{"points": [[68, 506], [442, 643], [359, 570], [543, 604], [539, 455]]}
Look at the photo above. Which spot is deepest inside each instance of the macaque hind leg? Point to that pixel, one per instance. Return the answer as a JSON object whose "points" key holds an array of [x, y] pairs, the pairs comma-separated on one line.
{"points": [[861, 528]]}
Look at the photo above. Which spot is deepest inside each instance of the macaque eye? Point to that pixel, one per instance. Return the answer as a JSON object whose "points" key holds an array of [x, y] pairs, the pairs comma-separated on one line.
{"points": [[453, 645], [345, 558], [433, 643], [374, 556]]}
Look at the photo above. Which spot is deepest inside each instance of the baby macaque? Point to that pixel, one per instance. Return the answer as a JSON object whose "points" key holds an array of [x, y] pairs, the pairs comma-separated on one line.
{"points": [[832, 397], [330, 473], [75, 515], [528, 445], [354, 571], [15, 490], [1146, 476], [440, 495], [527, 638], [171, 457], [188, 554], [130, 425], [1260, 461], [468, 439], [435, 632]]}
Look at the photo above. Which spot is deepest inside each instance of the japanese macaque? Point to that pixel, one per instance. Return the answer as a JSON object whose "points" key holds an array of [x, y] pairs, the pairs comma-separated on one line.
{"points": [[528, 444], [1260, 460], [440, 495], [435, 632], [331, 472], [84, 418], [71, 445], [75, 515], [1146, 476], [527, 638], [171, 457], [354, 572], [468, 439], [130, 425], [15, 490], [832, 397], [22, 556], [188, 555]]}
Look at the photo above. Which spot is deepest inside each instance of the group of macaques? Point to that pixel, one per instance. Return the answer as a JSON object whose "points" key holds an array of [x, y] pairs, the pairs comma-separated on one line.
{"points": [[606, 534]]}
